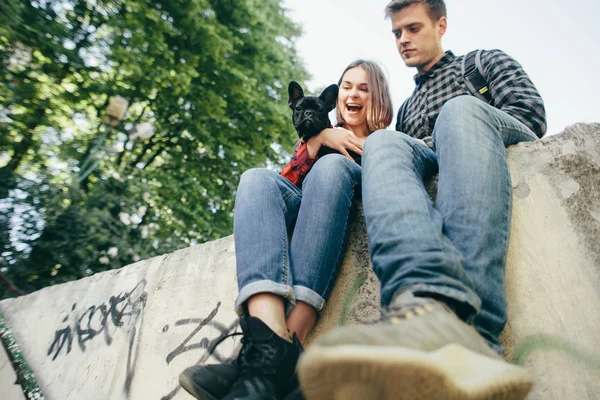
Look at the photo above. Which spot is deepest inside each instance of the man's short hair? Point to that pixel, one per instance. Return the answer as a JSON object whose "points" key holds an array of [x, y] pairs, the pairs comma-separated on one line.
{"points": [[435, 8]]}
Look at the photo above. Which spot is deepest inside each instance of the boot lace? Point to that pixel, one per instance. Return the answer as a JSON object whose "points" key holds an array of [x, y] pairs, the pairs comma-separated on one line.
{"points": [[409, 309], [253, 354]]}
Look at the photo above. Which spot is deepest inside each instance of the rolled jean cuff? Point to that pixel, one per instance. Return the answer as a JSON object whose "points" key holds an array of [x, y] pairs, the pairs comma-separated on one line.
{"points": [[264, 286], [309, 297], [468, 298]]}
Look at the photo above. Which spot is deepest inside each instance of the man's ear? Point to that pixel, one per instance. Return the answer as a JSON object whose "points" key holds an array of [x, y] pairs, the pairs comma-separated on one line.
{"points": [[295, 92], [442, 26], [329, 96]]}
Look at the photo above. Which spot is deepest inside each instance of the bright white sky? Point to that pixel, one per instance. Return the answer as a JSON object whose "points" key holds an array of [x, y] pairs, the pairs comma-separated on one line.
{"points": [[552, 39]]}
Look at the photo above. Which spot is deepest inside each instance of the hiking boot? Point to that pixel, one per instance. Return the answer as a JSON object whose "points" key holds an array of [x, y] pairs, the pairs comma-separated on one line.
{"points": [[267, 363], [265, 369], [214, 381], [419, 349], [209, 382]]}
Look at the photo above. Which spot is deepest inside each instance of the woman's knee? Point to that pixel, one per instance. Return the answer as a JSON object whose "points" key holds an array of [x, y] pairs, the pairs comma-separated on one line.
{"points": [[377, 138], [386, 139], [333, 168], [256, 178]]}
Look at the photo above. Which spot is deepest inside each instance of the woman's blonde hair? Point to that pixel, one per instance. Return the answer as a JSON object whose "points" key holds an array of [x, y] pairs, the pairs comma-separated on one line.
{"points": [[379, 111]]}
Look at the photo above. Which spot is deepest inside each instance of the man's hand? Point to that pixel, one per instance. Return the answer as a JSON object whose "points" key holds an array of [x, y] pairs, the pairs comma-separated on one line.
{"points": [[339, 139]]}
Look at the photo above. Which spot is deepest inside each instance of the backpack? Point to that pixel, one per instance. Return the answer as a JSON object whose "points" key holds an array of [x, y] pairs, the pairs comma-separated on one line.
{"points": [[472, 72]]}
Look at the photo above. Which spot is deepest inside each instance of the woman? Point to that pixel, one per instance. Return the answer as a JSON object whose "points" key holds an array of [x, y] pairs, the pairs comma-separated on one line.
{"points": [[275, 274]]}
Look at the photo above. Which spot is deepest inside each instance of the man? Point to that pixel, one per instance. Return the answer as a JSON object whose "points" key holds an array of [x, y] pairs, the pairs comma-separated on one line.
{"points": [[441, 266]]}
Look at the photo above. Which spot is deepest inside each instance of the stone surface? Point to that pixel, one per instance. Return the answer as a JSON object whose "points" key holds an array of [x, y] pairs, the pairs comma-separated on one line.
{"points": [[8, 386], [553, 269], [126, 334]]}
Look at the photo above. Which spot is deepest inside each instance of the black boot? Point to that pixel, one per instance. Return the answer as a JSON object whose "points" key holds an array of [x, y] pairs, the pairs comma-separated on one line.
{"points": [[267, 363], [209, 382], [264, 369]]}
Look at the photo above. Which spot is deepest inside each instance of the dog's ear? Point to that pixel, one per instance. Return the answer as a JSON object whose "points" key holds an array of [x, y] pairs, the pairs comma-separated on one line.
{"points": [[329, 96], [295, 92]]}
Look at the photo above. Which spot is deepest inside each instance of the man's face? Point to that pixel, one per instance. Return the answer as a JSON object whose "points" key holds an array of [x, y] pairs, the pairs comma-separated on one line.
{"points": [[418, 38]]}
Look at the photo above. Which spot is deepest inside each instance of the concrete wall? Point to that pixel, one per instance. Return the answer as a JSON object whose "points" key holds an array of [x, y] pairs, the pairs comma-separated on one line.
{"points": [[553, 270], [8, 388], [127, 334]]}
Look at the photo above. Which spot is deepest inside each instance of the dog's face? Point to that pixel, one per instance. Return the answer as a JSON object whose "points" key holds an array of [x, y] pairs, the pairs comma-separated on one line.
{"points": [[310, 113]]}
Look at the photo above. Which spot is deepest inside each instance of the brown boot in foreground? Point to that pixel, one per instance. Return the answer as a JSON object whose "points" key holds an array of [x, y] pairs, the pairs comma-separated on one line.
{"points": [[419, 350]]}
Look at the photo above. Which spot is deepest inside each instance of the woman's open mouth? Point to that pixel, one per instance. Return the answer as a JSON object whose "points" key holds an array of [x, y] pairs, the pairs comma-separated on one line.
{"points": [[353, 108]]}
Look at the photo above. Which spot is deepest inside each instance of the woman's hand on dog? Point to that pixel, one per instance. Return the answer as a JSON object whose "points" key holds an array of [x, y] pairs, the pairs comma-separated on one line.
{"points": [[339, 139]]}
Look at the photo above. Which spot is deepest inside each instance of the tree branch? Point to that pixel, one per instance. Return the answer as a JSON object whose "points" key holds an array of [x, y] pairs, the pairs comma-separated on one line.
{"points": [[153, 157], [11, 286], [148, 146], [21, 149]]}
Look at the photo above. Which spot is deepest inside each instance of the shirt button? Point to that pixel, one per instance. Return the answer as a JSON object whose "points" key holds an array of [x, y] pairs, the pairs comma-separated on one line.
{"points": [[424, 90], [423, 112]]}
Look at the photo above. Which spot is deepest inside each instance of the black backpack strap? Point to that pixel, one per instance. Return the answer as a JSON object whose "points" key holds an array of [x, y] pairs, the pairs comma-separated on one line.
{"points": [[472, 72], [400, 116]]}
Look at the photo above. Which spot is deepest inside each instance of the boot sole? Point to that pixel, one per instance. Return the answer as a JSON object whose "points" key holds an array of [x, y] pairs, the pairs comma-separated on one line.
{"points": [[190, 386], [353, 372]]}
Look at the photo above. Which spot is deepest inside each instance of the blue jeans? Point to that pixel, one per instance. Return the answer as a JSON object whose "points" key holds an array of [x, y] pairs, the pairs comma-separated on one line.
{"points": [[455, 249], [268, 208]]}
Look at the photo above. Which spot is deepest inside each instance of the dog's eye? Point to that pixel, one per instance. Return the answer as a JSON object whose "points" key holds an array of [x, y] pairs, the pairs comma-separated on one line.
{"points": [[321, 109], [298, 108]]}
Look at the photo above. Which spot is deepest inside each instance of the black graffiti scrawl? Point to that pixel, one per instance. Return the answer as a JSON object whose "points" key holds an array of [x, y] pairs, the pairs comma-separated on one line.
{"points": [[96, 321], [87, 325], [209, 346]]}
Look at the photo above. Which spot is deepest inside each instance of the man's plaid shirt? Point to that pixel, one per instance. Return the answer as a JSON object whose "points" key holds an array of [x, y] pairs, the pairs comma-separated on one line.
{"points": [[511, 89]]}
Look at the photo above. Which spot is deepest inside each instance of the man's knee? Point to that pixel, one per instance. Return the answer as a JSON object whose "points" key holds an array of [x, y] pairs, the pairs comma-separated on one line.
{"points": [[462, 105], [459, 117]]}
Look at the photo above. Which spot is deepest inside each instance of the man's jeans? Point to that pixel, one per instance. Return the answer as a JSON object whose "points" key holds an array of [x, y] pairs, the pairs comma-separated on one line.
{"points": [[268, 208], [455, 249]]}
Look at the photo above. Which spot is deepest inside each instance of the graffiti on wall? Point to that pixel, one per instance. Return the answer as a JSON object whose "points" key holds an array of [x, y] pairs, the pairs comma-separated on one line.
{"points": [[122, 310], [83, 326], [198, 339], [95, 321]]}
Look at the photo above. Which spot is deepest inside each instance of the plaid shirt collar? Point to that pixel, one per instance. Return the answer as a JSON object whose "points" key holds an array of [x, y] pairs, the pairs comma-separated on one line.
{"points": [[433, 71]]}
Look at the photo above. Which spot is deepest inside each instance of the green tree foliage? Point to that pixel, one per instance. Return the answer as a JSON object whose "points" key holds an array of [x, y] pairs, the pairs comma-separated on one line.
{"points": [[209, 75]]}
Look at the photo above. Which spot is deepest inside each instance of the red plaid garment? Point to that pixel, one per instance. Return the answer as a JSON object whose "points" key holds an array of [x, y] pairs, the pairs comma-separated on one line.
{"points": [[299, 165]]}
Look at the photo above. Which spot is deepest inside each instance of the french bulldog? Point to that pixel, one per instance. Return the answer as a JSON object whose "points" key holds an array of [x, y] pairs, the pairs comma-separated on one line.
{"points": [[310, 114]]}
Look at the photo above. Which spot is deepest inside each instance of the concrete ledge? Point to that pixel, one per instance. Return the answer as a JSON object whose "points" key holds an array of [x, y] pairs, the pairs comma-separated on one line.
{"points": [[127, 334], [10, 390]]}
